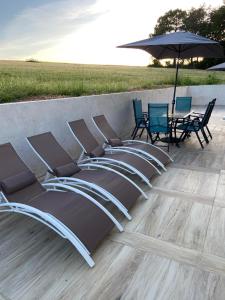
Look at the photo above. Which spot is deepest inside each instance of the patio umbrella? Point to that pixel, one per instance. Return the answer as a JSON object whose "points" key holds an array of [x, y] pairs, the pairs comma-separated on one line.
{"points": [[178, 45], [220, 67]]}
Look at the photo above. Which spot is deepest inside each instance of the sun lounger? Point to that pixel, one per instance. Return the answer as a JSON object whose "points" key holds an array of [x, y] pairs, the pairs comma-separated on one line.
{"points": [[118, 158], [72, 214], [144, 149], [108, 184]]}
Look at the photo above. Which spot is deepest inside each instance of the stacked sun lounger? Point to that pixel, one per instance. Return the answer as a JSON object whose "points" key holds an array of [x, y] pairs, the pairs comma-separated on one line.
{"points": [[71, 199]]}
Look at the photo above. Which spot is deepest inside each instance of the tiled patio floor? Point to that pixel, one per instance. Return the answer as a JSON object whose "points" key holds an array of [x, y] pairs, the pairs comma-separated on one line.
{"points": [[174, 247]]}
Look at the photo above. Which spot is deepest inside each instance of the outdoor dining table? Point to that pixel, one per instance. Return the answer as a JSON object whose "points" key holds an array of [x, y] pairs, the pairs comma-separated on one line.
{"points": [[175, 118]]}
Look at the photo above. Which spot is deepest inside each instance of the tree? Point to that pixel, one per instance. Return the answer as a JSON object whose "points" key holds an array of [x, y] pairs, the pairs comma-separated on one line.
{"points": [[173, 20], [155, 63], [204, 21], [217, 24], [197, 20], [216, 31]]}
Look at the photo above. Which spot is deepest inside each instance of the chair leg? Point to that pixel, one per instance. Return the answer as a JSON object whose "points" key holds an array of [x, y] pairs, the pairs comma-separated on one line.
{"points": [[168, 143], [208, 131], [154, 139], [149, 134], [141, 133], [204, 135], [157, 138], [181, 136], [196, 132], [132, 134], [135, 133], [175, 133]]}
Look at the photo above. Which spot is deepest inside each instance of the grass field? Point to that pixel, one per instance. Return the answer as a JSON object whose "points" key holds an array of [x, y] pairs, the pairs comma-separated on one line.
{"points": [[32, 80]]}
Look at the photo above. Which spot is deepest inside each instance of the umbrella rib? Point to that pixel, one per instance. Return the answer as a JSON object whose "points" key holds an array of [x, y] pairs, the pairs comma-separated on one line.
{"points": [[191, 46], [168, 48], [207, 46], [161, 53]]}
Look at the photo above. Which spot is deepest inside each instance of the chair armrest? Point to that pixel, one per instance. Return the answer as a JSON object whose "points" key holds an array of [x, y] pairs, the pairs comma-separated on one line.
{"points": [[196, 115], [182, 120]]}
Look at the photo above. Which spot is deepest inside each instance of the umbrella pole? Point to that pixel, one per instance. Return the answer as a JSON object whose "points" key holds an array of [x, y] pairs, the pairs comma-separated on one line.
{"points": [[175, 86]]}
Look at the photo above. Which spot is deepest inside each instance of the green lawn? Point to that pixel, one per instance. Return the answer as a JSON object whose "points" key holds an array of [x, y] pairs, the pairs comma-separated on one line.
{"points": [[27, 80]]}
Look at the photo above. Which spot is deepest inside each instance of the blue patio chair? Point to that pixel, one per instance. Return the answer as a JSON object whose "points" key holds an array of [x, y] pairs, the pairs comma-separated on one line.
{"points": [[201, 115], [158, 122], [140, 118], [183, 104], [198, 124]]}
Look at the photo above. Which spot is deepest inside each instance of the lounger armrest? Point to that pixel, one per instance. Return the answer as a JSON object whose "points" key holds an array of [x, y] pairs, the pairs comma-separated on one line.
{"points": [[96, 166], [147, 143], [133, 142], [92, 187], [62, 187]]}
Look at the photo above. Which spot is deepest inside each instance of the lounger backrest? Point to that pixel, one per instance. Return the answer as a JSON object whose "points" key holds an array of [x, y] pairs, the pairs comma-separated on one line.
{"points": [[84, 136], [103, 125], [17, 182], [50, 150]]}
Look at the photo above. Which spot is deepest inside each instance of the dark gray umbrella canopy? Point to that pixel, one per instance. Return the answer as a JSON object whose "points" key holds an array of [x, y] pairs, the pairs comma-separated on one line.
{"points": [[170, 45], [178, 45], [220, 67]]}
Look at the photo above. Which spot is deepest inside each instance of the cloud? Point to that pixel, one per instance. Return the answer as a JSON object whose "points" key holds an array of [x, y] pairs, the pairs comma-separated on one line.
{"points": [[40, 27]]}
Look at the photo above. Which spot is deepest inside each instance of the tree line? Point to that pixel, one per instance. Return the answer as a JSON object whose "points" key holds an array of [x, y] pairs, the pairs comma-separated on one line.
{"points": [[206, 21]]}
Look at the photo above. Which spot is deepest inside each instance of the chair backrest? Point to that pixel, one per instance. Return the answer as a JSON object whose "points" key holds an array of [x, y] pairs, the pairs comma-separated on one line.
{"points": [[158, 117], [14, 173], [213, 105], [208, 112], [213, 102], [83, 135], [105, 128], [50, 151], [138, 113], [183, 104]]}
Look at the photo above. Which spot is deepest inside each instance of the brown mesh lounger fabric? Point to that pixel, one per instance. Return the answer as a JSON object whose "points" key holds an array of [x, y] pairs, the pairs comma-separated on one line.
{"points": [[149, 151], [132, 162], [111, 185], [70, 213]]}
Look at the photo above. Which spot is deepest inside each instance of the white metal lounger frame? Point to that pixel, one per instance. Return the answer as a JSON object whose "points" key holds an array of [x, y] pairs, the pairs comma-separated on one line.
{"points": [[52, 222], [113, 162], [114, 171], [119, 150], [91, 187], [135, 150], [151, 145]]}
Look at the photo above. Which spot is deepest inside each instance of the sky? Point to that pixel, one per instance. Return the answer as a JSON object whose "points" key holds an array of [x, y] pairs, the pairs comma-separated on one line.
{"points": [[82, 31]]}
